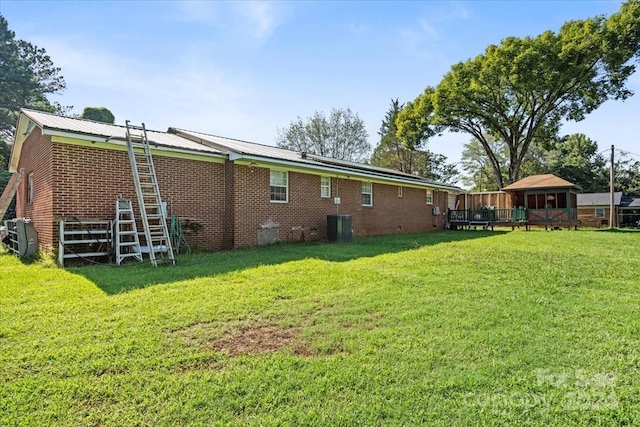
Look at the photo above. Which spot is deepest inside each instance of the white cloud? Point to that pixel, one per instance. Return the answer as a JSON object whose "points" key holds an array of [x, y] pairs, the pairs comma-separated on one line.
{"points": [[255, 20]]}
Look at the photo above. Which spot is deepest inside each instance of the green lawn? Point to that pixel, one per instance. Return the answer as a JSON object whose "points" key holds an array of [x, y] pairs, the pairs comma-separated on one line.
{"points": [[448, 328]]}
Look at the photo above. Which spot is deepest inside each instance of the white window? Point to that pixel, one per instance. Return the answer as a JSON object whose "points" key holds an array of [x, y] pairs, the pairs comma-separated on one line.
{"points": [[30, 188], [429, 197], [599, 212], [400, 191], [325, 186], [367, 194], [279, 181]]}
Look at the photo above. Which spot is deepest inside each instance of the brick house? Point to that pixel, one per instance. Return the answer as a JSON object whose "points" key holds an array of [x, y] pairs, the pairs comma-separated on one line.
{"points": [[231, 189], [594, 210]]}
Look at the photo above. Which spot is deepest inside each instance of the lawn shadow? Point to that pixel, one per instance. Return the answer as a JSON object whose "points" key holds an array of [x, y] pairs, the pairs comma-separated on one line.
{"points": [[114, 279], [618, 230]]}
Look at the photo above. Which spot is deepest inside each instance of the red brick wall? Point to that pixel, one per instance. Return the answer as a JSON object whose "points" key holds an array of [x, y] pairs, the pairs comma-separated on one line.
{"points": [[89, 180], [84, 182], [306, 209], [35, 158], [587, 217], [230, 201]]}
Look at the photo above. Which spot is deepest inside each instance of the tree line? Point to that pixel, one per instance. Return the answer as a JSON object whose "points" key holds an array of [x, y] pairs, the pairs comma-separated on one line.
{"points": [[511, 100]]}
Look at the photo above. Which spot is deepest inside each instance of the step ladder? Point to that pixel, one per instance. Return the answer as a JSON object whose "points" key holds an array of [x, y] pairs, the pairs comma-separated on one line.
{"points": [[125, 232], [156, 233], [9, 192]]}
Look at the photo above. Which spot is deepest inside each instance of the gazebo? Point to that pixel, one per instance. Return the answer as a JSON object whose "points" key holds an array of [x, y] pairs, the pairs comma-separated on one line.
{"points": [[547, 200], [542, 200]]}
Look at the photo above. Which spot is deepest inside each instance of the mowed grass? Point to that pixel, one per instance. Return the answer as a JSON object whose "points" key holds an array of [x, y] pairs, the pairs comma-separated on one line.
{"points": [[448, 328]]}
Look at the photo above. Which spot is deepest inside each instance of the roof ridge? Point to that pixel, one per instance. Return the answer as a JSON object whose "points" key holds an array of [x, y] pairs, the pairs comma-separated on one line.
{"points": [[232, 139]]}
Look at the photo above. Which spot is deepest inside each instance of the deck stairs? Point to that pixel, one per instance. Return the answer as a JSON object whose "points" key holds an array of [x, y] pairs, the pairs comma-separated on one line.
{"points": [[125, 232], [154, 224]]}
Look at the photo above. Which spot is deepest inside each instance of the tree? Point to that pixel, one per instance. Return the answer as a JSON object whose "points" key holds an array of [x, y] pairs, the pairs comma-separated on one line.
{"points": [[98, 114], [575, 158], [434, 167], [27, 77], [341, 136], [475, 162], [393, 153], [521, 90], [390, 152], [627, 176]]}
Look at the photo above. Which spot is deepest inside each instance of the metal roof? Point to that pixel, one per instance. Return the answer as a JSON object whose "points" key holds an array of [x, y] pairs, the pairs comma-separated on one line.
{"points": [[51, 122], [180, 139], [244, 148], [228, 145], [598, 199]]}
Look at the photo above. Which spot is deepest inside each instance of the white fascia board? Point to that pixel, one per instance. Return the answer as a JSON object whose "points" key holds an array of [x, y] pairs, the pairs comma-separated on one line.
{"points": [[74, 135], [122, 142], [22, 128], [340, 172]]}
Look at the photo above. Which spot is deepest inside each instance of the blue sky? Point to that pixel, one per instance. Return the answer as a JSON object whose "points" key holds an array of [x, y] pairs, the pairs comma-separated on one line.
{"points": [[246, 69]]}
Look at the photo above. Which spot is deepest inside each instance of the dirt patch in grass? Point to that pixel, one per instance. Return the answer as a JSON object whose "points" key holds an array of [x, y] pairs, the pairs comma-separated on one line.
{"points": [[244, 339], [259, 339]]}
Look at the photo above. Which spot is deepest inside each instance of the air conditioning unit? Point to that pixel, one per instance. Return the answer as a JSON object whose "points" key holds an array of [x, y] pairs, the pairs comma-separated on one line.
{"points": [[436, 210]]}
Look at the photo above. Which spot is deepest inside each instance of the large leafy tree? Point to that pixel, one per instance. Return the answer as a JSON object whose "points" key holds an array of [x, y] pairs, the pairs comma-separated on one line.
{"points": [[341, 136], [98, 114], [27, 76], [521, 90]]}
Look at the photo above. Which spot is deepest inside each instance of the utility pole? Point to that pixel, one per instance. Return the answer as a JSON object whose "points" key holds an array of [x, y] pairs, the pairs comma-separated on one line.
{"points": [[612, 216]]}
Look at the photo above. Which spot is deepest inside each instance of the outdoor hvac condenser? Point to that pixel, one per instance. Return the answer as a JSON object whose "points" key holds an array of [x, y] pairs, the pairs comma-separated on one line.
{"points": [[339, 228], [21, 237]]}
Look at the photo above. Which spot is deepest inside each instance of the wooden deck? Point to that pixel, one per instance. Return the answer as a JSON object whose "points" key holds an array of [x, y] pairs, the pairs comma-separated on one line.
{"points": [[513, 217]]}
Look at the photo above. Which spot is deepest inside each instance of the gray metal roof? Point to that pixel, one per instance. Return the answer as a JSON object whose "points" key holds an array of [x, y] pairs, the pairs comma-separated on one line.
{"points": [[49, 122], [180, 139], [229, 145], [599, 199]]}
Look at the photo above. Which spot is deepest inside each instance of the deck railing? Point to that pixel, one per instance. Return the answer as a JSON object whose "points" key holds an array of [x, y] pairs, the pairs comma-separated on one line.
{"points": [[488, 215], [513, 215]]}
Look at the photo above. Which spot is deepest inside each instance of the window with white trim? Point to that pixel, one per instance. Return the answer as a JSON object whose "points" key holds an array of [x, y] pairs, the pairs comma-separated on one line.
{"points": [[279, 181], [400, 191], [367, 194], [325, 186], [599, 212], [429, 194], [30, 188]]}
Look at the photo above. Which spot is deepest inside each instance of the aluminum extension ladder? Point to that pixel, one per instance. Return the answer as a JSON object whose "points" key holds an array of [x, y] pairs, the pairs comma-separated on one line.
{"points": [[125, 232], [156, 232], [9, 192]]}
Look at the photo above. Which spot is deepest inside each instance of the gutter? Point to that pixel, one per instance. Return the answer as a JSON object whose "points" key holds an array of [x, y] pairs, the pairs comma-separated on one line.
{"points": [[348, 173]]}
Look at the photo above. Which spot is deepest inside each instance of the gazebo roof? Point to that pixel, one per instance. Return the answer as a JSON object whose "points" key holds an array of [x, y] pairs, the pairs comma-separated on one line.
{"points": [[540, 182]]}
